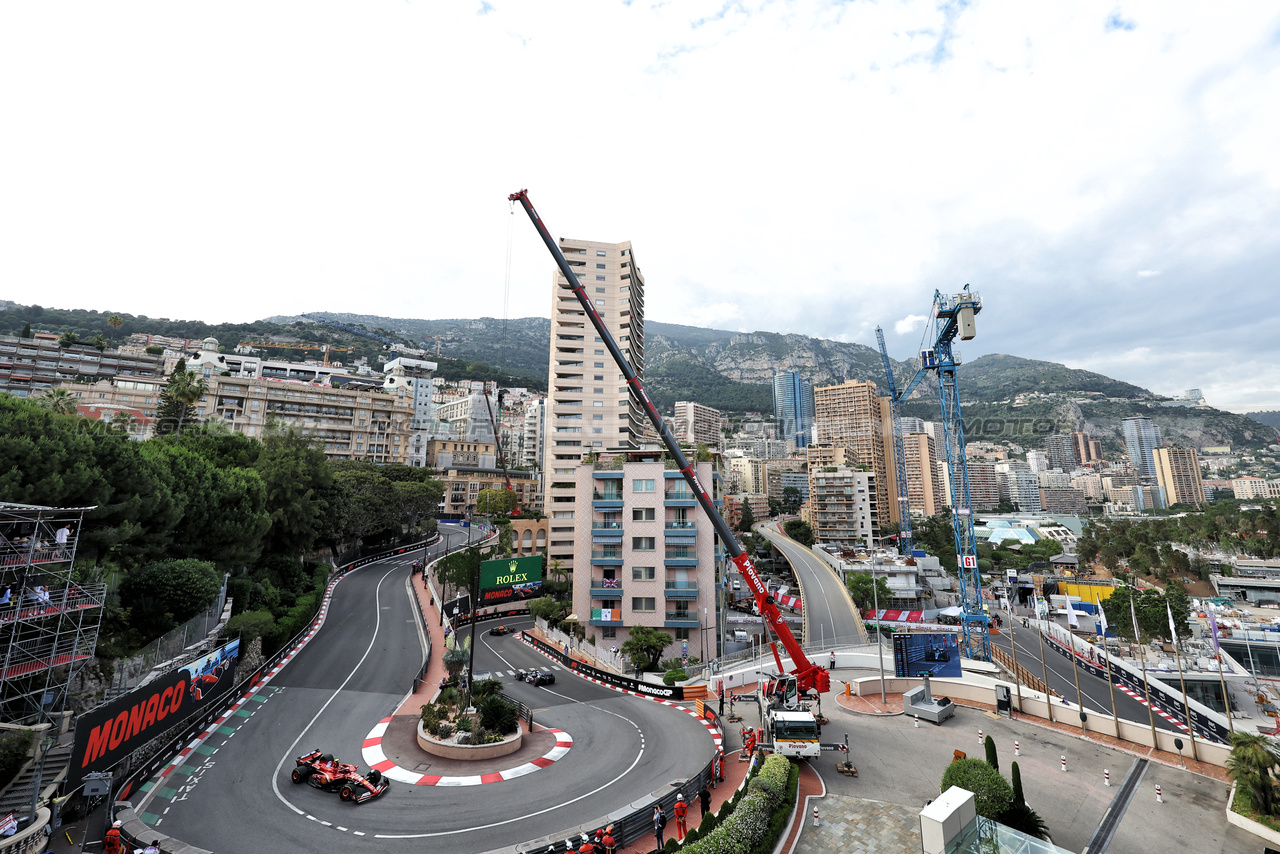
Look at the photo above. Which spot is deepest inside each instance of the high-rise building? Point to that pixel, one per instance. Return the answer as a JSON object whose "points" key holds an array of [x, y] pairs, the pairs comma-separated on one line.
{"points": [[1037, 460], [924, 475], [1178, 475], [753, 476], [851, 415], [842, 506], [1086, 450], [1141, 438], [648, 552], [984, 487], [589, 407], [695, 424], [1061, 452], [793, 407]]}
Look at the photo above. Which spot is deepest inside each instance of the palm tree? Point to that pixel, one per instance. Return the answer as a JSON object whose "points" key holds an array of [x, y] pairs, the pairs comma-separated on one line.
{"points": [[59, 400], [1250, 763], [99, 342], [68, 339], [115, 321], [177, 401], [123, 422]]}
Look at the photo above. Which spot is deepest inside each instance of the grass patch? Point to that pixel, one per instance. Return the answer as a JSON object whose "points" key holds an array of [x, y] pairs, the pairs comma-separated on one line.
{"points": [[1244, 805]]}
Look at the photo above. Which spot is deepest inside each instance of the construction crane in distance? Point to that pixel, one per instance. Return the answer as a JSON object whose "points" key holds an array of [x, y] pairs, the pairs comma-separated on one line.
{"points": [[953, 316], [391, 344], [281, 345], [899, 455]]}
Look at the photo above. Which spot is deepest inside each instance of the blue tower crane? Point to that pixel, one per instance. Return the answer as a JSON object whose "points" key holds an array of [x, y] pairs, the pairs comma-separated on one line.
{"points": [[899, 460], [954, 316]]}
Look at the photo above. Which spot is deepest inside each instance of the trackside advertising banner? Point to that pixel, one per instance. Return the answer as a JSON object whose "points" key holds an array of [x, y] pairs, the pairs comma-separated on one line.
{"points": [[109, 733], [509, 580], [663, 692]]}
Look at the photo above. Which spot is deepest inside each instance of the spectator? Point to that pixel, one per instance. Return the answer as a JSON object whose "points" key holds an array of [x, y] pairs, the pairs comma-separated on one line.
{"points": [[153, 848], [659, 822], [704, 801]]}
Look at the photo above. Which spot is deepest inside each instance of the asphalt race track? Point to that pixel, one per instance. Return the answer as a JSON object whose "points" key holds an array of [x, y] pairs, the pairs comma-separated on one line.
{"points": [[233, 794]]}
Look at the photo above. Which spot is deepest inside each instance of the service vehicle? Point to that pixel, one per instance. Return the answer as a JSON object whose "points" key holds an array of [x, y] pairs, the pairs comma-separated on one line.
{"points": [[321, 771]]}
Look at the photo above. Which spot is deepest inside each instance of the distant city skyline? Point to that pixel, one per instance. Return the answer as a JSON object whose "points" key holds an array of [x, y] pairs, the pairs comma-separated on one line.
{"points": [[1103, 176]]}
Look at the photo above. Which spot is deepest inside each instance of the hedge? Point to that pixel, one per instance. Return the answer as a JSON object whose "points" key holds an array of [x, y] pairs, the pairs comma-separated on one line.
{"points": [[758, 815]]}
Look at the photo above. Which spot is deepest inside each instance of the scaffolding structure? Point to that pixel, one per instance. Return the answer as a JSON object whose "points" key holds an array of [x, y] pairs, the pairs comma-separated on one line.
{"points": [[49, 623]]}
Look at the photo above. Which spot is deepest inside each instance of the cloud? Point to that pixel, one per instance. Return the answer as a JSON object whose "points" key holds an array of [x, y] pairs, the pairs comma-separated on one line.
{"points": [[909, 324], [1116, 22], [1146, 274]]}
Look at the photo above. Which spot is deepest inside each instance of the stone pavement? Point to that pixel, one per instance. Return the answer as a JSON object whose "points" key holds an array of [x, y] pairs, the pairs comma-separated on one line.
{"points": [[850, 825]]}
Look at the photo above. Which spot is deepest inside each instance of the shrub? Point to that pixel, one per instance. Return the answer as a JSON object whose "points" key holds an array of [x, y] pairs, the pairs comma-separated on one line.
{"points": [[992, 793], [250, 625], [465, 724], [990, 744], [497, 714], [486, 688], [673, 676], [444, 729], [756, 816]]}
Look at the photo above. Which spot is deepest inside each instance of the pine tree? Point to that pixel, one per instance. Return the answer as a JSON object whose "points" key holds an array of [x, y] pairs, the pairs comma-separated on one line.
{"points": [[1019, 800], [26, 330], [992, 759]]}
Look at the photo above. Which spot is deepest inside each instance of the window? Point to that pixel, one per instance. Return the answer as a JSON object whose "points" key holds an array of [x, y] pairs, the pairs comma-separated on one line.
{"points": [[682, 634], [642, 573], [599, 266], [642, 514], [642, 485], [642, 603], [599, 290], [609, 632], [599, 390], [598, 377], [597, 403], [599, 253], [599, 302], [642, 544]]}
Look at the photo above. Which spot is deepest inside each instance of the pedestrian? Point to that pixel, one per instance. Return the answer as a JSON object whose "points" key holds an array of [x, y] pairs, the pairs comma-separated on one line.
{"points": [[62, 536], [718, 772], [833, 660], [681, 809], [659, 822], [111, 843], [704, 799]]}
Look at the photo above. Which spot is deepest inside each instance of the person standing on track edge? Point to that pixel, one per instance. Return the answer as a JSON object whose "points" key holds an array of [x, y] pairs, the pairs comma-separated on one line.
{"points": [[833, 660], [659, 822], [704, 801], [681, 809], [112, 843]]}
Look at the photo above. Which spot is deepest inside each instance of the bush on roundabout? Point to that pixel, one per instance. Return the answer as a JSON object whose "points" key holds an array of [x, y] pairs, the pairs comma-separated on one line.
{"points": [[757, 815]]}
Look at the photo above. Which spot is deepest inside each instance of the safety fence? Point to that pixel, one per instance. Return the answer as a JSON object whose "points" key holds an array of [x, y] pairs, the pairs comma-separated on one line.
{"points": [[626, 683], [1022, 674], [524, 712]]}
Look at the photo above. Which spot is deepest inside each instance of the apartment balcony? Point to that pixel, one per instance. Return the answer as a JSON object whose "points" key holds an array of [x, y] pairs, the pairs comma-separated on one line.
{"points": [[599, 526], [605, 623], [681, 557], [686, 590], [606, 557], [600, 591], [681, 525], [680, 498], [681, 620], [609, 499]]}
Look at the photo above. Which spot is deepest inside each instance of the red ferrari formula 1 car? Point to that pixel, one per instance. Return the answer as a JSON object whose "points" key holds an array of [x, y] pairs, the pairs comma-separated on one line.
{"points": [[324, 772]]}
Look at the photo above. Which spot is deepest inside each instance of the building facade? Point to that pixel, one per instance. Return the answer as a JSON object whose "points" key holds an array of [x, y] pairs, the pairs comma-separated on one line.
{"points": [[1141, 438], [842, 506], [589, 408], [649, 552], [1178, 475], [1060, 449], [850, 415], [38, 364], [793, 407]]}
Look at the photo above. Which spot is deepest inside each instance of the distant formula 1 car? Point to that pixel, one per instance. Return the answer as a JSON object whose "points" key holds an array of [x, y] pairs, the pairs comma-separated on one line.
{"points": [[323, 772], [500, 630], [540, 677]]}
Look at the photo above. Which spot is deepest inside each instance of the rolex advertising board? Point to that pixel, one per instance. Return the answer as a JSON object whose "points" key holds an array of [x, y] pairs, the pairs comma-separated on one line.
{"points": [[510, 580]]}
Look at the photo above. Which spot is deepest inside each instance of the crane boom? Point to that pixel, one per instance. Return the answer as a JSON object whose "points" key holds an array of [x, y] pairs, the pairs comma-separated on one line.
{"points": [[809, 676], [899, 452]]}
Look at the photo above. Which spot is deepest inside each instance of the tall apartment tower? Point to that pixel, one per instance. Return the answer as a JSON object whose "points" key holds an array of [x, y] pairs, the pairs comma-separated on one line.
{"points": [[793, 407], [1141, 438], [1085, 449], [852, 416], [1061, 452], [695, 424], [588, 405], [924, 475], [1178, 474]]}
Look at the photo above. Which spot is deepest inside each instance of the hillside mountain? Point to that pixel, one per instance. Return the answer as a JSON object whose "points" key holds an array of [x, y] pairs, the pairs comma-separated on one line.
{"points": [[1270, 418], [1004, 397]]}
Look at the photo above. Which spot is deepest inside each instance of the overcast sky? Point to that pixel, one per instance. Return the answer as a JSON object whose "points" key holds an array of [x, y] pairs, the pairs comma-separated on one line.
{"points": [[1105, 175]]}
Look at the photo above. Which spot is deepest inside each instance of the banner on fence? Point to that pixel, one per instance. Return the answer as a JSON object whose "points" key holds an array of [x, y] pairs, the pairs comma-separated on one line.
{"points": [[109, 733], [626, 683]]}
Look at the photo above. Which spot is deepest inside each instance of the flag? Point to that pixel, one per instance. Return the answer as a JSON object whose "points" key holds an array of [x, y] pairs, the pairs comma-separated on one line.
{"points": [[1173, 633], [1134, 615], [1072, 620], [612, 583], [1213, 627], [1102, 621]]}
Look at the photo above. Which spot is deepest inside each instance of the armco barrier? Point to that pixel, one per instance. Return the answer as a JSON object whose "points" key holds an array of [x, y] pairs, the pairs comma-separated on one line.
{"points": [[626, 683]]}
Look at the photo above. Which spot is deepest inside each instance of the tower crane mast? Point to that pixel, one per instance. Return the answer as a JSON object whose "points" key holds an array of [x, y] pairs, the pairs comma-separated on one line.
{"points": [[899, 457], [954, 316]]}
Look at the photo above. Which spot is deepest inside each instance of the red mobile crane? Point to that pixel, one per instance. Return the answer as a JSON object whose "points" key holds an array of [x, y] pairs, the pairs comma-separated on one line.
{"points": [[808, 676]]}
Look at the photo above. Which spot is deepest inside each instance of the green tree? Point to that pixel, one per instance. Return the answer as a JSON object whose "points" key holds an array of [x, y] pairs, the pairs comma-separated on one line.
{"points": [[115, 321], [58, 400], [791, 499], [418, 501], [546, 608], [163, 594], [645, 645], [798, 531], [300, 490], [68, 339], [99, 342], [862, 592], [1251, 763], [26, 331], [496, 502], [178, 401], [366, 505], [1019, 815], [748, 518], [989, 744], [992, 793]]}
